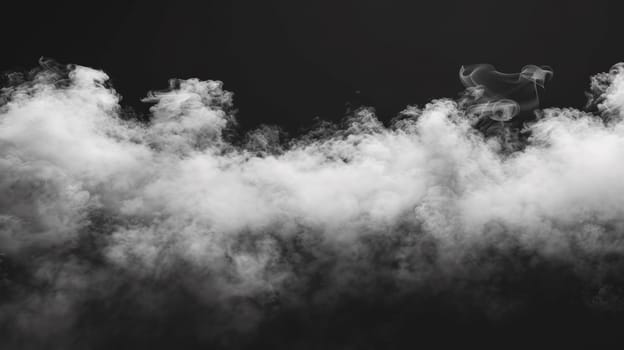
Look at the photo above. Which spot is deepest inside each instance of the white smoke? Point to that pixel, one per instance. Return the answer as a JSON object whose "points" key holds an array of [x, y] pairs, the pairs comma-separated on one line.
{"points": [[90, 199]]}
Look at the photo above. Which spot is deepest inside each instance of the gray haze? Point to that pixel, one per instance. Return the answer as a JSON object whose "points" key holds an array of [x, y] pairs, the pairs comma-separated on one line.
{"points": [[94, 205]]}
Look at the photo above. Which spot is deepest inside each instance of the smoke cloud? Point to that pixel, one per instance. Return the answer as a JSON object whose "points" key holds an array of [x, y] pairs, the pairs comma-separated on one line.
{"points": [[120, 232]]}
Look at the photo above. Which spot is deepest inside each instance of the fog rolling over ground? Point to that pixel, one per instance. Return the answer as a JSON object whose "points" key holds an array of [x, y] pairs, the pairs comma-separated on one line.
{"points": [[472, 219]]}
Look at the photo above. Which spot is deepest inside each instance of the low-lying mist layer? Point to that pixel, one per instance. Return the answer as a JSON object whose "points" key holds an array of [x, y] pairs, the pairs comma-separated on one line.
{"points": [[115, 229]]}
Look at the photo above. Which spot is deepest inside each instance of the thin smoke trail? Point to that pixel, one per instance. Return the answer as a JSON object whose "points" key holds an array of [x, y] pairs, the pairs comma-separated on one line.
{"points": [[169, 222]]}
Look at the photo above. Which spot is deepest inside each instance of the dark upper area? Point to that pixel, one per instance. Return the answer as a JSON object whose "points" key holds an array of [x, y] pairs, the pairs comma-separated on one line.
{"points": [[291, 61]]}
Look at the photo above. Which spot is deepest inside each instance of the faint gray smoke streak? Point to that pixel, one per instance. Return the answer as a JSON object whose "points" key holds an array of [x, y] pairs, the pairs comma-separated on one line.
{"points": [[500, 103], [502, 96]]}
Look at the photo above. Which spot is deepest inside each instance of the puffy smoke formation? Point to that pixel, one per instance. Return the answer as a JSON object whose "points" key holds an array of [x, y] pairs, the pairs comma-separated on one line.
{"points": [[110, 227]]}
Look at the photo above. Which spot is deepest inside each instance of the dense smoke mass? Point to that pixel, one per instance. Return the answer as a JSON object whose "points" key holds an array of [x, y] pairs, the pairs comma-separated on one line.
{"points": [[120, 233]]}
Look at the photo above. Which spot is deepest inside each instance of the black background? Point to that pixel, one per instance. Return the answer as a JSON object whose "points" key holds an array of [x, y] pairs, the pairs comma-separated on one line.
{"points": [[291, 61]]}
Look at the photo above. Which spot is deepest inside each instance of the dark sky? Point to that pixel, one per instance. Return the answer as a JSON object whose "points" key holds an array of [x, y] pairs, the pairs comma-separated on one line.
{"points": [[290, 61]]}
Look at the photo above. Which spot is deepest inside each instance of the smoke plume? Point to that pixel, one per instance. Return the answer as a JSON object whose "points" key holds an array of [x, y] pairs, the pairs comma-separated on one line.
{"points": [[126, 233]]}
